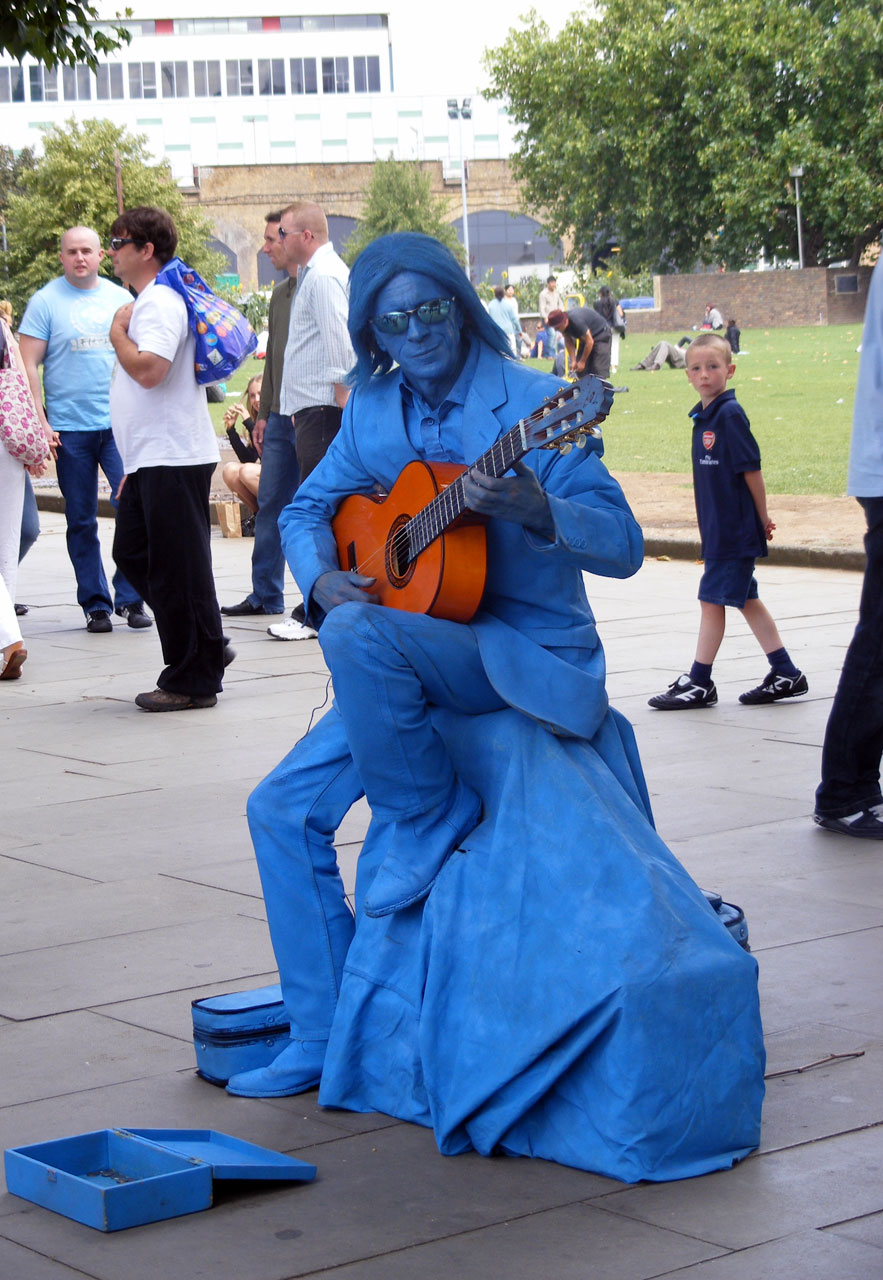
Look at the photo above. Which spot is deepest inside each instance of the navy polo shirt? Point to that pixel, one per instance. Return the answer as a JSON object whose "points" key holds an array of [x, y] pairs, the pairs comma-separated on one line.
{"points": [[723, 449]]}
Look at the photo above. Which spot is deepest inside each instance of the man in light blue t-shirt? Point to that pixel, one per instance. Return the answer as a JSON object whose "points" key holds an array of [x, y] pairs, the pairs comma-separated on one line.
{"points": [[65, 328]]}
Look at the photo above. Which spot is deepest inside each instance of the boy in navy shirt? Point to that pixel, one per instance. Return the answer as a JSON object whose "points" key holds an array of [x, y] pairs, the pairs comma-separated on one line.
{"points": [[734, 527]]}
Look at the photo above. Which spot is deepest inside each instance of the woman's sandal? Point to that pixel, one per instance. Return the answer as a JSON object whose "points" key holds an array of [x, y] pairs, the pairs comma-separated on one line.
{"points": [[13, 665]]}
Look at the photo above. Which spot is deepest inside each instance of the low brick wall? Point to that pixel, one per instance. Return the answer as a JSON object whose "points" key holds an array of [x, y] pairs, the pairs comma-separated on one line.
{"points": [[757, 299]]}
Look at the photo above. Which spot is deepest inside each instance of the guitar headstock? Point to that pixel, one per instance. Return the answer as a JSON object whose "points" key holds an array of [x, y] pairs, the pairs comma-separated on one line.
{"points": [[570, 415]]}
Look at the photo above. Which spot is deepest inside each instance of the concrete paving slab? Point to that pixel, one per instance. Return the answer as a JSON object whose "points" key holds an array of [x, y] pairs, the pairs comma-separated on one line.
{"points": [[767, 1196], [56, 1056], [77, 976], [82, 912], [868, 1229], [175, 833], [352, 1211], [820, 1101], [568, 1244], [839, 974], [811, 1255], [25, 1264]]}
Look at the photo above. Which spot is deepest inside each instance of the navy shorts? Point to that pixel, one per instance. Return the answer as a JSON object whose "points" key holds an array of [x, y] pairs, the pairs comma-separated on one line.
{"points": [[728, 582]]}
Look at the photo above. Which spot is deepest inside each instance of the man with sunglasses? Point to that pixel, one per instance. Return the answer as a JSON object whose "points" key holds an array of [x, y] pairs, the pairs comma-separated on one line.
{"points": [[274, 439], [434, 380], [318, 353], [169, 450], [65, 328]]}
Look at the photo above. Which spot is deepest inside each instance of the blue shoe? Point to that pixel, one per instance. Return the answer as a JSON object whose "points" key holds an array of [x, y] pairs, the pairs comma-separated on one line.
{"points": [[296, 1069], [418, 849]]}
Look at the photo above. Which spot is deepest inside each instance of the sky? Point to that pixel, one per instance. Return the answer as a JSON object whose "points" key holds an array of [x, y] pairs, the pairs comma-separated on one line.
{"points": [[437, 48]]}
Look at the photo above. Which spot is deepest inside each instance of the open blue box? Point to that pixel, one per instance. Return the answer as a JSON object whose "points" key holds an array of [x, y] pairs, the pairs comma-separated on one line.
{"points": [[116, 1178]]}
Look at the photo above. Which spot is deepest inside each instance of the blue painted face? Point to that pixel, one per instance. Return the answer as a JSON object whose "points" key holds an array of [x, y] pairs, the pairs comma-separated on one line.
{"points": [[430, 355]]}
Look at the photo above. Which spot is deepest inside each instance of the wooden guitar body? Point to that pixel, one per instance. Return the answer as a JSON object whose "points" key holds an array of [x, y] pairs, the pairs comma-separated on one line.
{"points": [[446, 579]]}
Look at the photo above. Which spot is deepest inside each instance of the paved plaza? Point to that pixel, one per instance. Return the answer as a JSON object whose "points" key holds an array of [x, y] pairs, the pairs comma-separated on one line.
{"points": [[129, 889]]}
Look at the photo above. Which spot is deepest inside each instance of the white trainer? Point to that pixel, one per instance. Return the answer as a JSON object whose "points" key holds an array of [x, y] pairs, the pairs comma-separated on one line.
{"points": [[291, 629]]}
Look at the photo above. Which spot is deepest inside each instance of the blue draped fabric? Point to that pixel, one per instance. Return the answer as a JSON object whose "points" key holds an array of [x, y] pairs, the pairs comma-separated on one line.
{"points": [[565, 991]]}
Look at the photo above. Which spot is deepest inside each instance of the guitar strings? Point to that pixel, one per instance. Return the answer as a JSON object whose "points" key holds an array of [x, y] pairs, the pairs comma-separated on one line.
{"points": [[422, 529]]}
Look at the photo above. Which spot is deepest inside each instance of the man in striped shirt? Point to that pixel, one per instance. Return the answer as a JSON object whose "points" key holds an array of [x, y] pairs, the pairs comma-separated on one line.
{"points": [[318, 354]]}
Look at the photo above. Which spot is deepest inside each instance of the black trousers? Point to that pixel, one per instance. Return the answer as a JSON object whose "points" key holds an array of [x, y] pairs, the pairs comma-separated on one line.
{"points": [[162, 544], [314, 429]]}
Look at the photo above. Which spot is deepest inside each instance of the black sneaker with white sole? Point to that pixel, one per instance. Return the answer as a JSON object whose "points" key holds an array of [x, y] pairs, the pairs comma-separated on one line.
{"points": [[684, 694], [867, 824], [135, 615], [774, 688]]}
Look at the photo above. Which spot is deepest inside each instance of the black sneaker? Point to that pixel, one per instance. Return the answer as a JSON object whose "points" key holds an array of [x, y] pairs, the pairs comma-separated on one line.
{"points": [[134, 615], [98, 621], [683, 694], [774, 688], [867, 824], [20, 610]]}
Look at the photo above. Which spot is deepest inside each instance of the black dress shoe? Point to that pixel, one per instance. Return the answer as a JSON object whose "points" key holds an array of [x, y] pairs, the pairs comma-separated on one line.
{"points": [[20, 610], [245, 609]]}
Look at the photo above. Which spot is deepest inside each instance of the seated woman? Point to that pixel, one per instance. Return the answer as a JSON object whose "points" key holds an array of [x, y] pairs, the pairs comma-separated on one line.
{"points": [[529, 969], [243, 476]]}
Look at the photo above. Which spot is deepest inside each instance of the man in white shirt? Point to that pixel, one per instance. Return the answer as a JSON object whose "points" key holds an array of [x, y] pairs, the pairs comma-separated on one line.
{"points": [[165, 436], [550, 299]]}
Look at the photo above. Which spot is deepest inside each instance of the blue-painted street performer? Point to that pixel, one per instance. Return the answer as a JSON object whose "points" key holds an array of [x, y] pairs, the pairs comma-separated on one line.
{"points": [[529, 971]]}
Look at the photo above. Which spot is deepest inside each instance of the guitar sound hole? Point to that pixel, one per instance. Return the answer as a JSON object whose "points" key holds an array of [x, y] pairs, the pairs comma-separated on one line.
{"points": [[399, 566]]}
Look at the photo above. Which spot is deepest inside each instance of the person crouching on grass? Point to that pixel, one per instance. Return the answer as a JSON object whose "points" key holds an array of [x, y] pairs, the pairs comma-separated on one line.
{"points": [[734, 527]]}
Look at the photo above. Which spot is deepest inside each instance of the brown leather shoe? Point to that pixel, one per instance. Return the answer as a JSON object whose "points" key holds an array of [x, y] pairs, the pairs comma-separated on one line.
{"points": [[11, 669], [165, 700]]}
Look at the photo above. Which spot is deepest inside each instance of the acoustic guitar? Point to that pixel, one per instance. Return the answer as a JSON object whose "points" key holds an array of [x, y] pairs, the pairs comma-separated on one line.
{"points": [[425, 548]]}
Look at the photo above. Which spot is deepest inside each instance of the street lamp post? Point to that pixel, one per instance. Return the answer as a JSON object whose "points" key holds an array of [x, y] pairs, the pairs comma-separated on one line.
{"points": [[460, 113], [797, 174]]}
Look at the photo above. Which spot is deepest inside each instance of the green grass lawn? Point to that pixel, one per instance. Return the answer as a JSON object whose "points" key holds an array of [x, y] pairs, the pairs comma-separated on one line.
{"points": [[796, 385]]}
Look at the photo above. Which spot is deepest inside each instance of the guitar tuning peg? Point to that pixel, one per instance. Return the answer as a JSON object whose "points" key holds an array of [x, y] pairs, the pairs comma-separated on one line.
{"points": [[565, 446], [581, 441]]}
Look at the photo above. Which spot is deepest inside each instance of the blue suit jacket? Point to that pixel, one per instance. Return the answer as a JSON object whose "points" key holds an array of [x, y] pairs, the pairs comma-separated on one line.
{"points": [[535, 629]]}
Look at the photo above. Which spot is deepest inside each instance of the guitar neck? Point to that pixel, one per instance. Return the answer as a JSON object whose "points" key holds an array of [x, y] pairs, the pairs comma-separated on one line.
{"points": [[450, 504]]}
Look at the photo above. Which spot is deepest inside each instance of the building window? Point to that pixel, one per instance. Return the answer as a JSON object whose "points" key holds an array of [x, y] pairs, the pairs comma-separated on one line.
{"points": [[12, 84], [240, 80], [142, 79], [271, 76], [215, 26], [207, 79], [366, 75], [109, 81], [303, 75], [44, 84], [334, 22], [335, 75], [175, 83], [77, 83]]}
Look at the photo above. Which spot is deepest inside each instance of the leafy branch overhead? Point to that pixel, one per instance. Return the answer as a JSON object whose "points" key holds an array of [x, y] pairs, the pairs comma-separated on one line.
{"points": [[54, 31], [672, 126]]}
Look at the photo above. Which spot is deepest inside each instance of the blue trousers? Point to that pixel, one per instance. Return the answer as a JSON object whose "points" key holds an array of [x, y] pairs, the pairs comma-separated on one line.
{"points": [[80, 456], [854, 736], [377, 740], [280, 477]]}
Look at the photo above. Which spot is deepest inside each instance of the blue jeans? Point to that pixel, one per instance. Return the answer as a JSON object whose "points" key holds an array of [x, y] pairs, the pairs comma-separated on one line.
{"points": [[280, 477], [854, 736], [80, 456]]}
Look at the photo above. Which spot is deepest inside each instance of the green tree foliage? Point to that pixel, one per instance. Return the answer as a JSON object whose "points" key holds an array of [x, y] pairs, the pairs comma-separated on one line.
{"points": [[672, 126], [400, 199], [54, 31], [74, 184]]}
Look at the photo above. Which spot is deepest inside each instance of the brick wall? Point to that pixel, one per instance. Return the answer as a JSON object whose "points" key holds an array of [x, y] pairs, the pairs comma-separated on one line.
{"points": [[757, 299]]}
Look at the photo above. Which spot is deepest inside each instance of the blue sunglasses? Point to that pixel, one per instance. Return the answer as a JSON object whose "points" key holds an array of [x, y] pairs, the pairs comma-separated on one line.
{"points": [[434, 311]]}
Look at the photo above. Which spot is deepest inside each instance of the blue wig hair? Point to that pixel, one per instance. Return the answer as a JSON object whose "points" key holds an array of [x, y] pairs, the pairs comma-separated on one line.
{"points": [[387, 257]]}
